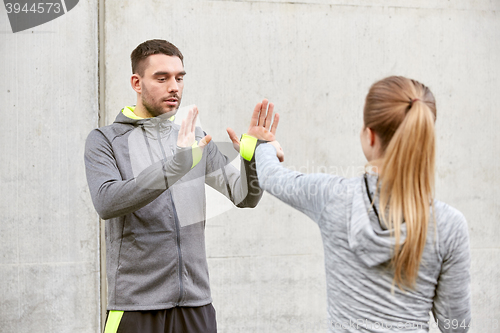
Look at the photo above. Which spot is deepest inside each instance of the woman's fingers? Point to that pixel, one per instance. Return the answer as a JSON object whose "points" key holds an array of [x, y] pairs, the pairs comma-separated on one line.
{"points": [[281, 155], [279, 151]]}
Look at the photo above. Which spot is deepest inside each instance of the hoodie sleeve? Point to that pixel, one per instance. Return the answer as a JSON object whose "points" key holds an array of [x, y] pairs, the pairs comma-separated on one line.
{"points": [[241, 187], [452, 307], [111, 194], [308, 193]]}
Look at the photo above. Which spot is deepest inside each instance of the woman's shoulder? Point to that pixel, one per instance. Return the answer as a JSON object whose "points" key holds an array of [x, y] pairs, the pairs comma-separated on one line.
{"points": [[448, 216], [452, 228], [343, 186]]}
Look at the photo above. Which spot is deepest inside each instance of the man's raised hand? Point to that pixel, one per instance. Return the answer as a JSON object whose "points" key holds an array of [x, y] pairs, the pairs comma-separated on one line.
{"points": [[186, 137], [262, 125]]}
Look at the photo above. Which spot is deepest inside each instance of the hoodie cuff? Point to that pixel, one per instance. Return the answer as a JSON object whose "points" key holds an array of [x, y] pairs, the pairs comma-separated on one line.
{"points": [[194, 152], [197, 153], [248, 144]]}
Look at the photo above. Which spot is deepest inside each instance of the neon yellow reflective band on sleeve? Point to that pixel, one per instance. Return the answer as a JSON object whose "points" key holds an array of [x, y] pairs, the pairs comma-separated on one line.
{"points": [[114, 318], [247, 146], [197, 153]]}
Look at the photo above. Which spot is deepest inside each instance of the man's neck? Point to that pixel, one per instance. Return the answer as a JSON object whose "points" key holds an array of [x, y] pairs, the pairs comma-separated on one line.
{"points": [[141, 111]]}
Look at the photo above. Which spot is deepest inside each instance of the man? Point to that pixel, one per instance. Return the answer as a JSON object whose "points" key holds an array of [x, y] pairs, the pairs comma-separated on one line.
{"points": [[146, 176]]}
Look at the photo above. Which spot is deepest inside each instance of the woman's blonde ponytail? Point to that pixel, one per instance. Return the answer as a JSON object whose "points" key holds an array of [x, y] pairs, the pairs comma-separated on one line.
{"points": [[403, 112]]}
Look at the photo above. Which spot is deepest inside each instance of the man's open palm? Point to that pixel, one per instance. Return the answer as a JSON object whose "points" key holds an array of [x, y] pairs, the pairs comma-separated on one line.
{"points": [[262, 125], [186, 136]]}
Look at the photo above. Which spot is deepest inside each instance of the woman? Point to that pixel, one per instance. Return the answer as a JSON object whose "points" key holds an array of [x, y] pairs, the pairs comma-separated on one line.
{"points": [[392, 252]]}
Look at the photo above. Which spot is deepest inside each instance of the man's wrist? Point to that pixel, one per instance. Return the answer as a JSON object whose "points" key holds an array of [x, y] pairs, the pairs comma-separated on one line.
{"points": [[248, 144], [194, 151]]}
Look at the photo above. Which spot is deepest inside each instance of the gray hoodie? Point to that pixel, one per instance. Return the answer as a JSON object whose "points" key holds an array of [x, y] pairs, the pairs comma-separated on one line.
{"points": [[358, 251], [152, 195]]}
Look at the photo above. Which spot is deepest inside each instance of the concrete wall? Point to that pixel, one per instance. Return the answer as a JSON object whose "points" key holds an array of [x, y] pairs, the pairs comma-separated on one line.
{"points": [[315, 60], [49, 267]]}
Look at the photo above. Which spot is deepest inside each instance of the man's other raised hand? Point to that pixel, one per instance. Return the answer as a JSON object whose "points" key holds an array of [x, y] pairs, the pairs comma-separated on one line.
{"points": [[262, 126], [186, 137]]}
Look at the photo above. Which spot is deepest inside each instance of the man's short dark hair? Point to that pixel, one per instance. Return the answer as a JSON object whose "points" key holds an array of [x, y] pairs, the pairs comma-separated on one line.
{"points": [[150, 47]]}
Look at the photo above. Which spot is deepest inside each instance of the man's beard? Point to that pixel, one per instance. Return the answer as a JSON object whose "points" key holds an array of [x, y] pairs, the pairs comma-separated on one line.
{"points": [[157, 109]]}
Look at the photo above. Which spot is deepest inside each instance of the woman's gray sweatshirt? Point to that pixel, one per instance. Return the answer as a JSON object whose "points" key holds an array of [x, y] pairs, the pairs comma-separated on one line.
{"points": [[358, 251]]}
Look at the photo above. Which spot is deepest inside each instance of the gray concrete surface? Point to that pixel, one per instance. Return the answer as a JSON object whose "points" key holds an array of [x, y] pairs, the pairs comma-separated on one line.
{"points": [[315, 60], [49, 265]]}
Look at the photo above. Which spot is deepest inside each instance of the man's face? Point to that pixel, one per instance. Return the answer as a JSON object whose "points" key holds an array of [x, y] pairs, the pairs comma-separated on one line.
{"points": [[162, 84]]}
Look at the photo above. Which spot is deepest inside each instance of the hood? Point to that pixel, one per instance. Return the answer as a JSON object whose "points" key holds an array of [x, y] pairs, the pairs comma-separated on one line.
{"points": [[372, 243], [155, 128], [127, 116]]}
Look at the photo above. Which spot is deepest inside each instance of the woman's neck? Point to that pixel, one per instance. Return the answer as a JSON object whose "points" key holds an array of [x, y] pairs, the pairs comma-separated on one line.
{"points": [[375, 165]]}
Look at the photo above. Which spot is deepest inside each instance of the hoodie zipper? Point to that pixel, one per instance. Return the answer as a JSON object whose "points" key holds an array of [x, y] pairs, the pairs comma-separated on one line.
{"points": [[177, 227], [177, 230], [176, 220]]}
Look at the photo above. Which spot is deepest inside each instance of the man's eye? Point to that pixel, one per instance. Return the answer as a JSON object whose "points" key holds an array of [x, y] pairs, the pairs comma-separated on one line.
{"points": [[180, 79], [161, 79]]}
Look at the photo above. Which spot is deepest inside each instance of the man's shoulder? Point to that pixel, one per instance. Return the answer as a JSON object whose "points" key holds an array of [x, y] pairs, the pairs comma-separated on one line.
{"points": [[199, 132], [111, 131]]}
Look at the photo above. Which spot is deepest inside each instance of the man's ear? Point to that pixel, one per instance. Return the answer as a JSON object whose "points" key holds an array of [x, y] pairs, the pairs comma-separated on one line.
{"points": [[135, 82]]}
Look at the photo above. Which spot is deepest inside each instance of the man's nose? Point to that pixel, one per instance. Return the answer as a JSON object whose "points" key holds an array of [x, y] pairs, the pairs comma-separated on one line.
{"points": [[173, 85]]}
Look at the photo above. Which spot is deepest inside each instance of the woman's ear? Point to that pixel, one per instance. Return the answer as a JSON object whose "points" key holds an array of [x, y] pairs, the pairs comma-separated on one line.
{"points": [[371, 136]]}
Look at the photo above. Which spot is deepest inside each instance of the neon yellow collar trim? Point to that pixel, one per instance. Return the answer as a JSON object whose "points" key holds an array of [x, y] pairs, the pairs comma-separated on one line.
{"points": [[129, 112]]}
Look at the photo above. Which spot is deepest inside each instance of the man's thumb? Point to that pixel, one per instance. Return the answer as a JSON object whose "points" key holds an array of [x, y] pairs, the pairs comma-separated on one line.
{"points": [[203, 142], [232, 135]]}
